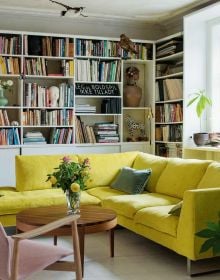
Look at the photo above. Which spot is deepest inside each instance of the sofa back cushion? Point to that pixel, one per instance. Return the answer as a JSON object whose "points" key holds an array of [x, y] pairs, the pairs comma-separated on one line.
{"points": [[211, 178], [157, 165], [181, 175], [105, 167], [32, 170]]}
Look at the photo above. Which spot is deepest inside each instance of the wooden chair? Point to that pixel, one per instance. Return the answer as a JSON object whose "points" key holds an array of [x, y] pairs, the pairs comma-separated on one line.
{"points": [[20, 257]]}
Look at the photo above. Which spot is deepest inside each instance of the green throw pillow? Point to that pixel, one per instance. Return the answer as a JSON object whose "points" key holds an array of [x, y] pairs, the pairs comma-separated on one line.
{"points": [[131, 180], [176, 209]]}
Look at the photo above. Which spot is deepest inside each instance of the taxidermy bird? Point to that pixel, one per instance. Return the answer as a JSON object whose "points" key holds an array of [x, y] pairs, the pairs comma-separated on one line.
{"points": [[126, 44], [77, 10]]}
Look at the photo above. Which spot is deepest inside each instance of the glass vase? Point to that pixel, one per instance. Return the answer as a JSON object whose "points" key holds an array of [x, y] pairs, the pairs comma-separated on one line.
{"points": [[73, 202], [3, 99]]}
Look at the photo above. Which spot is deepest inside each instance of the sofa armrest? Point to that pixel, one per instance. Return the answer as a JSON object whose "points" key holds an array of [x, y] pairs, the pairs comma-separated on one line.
{"points": [[199, 207]]}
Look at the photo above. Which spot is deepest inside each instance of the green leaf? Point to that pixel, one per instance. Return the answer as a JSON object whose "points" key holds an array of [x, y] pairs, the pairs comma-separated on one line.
{"points": [[205, 233], [216, 247], [192, 101], [207, 245], [212, 226]]}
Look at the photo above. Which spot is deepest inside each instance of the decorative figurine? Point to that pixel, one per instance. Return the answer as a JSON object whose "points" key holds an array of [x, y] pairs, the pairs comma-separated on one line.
{"points": [[132, 92], [53, 96]]}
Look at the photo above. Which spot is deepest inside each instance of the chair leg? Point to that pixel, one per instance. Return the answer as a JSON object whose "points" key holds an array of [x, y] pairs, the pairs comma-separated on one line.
{"points": [[14, 264], [76, 249]]}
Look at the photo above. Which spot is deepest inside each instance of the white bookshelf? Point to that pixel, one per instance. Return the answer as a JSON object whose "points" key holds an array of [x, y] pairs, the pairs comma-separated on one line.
{"points": [[168, 125]]}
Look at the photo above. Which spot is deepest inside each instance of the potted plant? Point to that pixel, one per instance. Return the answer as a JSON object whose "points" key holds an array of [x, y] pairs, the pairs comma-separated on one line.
{"points": [[212, 235], [202, 101]]}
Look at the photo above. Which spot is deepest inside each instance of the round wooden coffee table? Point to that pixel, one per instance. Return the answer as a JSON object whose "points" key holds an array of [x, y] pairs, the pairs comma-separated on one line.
{"points": [[92, 219]]}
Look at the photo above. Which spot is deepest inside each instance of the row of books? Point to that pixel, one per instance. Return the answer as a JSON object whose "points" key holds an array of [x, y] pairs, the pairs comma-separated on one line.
{"points": [[48, 46], [10, 44], [169, 150], [43, 67], [36, 95], [85, 109], [48, 117], [169, 89], [169, 113], [4, 120], [106, 132], [61, 136], [84, 133], [9, 136], [102, 71], [172, 133], [106, 48], [9, 65], [168, 48], [163, 69], [111, 106]]}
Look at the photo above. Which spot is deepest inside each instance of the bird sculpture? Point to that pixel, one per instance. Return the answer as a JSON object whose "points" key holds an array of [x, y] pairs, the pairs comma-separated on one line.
{"points": [[77, 10], [126, 44]]}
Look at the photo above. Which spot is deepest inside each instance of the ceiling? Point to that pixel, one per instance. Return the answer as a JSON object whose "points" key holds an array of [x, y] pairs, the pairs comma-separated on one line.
{"points": [[137, 10]]}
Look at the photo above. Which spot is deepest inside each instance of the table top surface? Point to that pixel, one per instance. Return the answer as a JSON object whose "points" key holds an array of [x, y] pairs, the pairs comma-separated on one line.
{"points": [[89, 215]]}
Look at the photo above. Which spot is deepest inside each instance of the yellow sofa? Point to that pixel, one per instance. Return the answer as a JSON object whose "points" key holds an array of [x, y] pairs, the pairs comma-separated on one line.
{"points": [[196, 182]]}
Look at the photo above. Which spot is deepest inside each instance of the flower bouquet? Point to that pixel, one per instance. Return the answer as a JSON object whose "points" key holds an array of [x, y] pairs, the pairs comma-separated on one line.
{"points": [[71, 177]]}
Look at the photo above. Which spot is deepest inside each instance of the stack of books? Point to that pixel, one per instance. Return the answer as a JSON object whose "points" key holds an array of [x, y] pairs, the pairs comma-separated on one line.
{"points": [[106, 132], [33, 138], [85, 109], [169, 48]]}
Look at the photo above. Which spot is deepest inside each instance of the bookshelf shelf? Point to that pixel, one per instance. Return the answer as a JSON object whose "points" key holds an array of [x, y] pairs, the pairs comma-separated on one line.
{"points": [[169, 96], [179, 74], [169, 101], [50, 57], [48, 77], [170, 57], [97, 82], [98, 57]]}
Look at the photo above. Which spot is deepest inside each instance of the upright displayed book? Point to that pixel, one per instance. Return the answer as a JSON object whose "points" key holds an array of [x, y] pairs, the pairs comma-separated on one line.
{"points": [[169, 96]]}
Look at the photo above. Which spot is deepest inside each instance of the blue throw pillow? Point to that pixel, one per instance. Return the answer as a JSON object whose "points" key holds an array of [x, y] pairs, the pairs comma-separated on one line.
{"points": [[131, 180]]}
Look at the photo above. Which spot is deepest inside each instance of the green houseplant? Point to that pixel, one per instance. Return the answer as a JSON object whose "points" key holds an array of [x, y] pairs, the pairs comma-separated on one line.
{"points": [[202, 101], [212, 235]]}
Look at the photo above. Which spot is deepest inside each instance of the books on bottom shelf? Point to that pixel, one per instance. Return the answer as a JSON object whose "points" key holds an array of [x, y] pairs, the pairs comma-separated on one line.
{"points": [[106, 132], [84, 133], [34, 138], [172, 133], [9, 136], [61, 136], [169, 150]]}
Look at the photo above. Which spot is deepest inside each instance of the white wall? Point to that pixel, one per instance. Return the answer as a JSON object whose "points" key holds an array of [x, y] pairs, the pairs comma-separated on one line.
{"points": [[82, 26], [196, 56]]}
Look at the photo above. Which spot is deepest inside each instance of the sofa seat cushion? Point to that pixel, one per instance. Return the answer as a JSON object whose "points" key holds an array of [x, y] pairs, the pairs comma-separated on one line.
{"points": [[157, 217], [211, 178], [87, 199], [104, 192], [105, 167], [181, 175], [13, 202], [128, 205], [31, 171], [157, 165]]}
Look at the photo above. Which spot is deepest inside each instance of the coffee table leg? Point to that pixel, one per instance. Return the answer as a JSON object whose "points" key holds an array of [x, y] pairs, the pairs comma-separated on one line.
{"points": [[55, 240], [112, 241], [81, 232]]}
